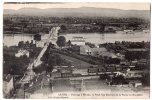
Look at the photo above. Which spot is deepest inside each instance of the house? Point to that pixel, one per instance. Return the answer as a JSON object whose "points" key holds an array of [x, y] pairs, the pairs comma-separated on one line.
{"points": [[41, 43], [146, 31], [128, 31], [8, 85], [135, 83], [44, 36], [22, 53], [78, 41], [85, 50], [55, 73], [61, 72], [134, 74], [107, 55]]}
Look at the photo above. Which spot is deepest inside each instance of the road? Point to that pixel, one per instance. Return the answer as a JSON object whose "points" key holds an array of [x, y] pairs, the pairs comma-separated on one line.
{"points": [[52, 38], [29, 74]]}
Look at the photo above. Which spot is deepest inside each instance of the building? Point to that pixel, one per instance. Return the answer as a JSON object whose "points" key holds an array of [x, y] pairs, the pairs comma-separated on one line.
{"points": [[134, 74], [85, 50], [78, 41], [128, 31], [22, 53], [55, 73], [61, 72], [146, 31], [8, 85], [107, 55], [44, 36], [135, 83], [41, 43], [102, 52]]}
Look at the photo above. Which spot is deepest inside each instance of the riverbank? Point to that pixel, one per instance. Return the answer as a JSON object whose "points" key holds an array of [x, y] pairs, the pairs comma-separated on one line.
{"points": [[96, 38]]}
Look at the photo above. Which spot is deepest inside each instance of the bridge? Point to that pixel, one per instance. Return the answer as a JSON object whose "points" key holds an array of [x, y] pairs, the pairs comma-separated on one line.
{"points": [[52, 38], [29, 74]]}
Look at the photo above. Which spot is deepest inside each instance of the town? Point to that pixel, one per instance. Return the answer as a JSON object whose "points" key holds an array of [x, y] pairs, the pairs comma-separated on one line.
{"points": [[34, 24], [47, 55]]}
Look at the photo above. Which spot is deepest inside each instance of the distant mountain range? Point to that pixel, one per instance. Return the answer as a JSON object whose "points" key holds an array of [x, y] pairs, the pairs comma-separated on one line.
{"points": [[80, 12]]}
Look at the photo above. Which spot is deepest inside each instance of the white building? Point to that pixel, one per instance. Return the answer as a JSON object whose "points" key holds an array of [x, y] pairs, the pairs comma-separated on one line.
{"points": [[44, 36], [135, 83], [7, 84], [85, 50], [108, 54], [128, 31], [134, 74], [41, 43], [78, 41], [22, 52], [146, 31]]}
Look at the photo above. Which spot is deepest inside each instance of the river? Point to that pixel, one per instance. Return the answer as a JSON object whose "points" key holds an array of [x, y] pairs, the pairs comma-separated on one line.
{"points": [[96, 38]]}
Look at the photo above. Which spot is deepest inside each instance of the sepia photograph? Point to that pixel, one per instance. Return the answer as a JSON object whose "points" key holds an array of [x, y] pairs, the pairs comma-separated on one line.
{"points": [[76, 50]]}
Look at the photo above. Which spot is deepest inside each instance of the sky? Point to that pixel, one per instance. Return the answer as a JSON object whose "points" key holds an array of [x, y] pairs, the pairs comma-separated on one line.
{"points": [[123, 6]]}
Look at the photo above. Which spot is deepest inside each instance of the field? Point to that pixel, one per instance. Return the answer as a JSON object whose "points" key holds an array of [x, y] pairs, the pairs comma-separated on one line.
{"points": [[76, 62]]}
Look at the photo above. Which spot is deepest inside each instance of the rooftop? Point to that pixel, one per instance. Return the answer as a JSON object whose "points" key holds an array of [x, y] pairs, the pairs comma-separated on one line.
{"points": [[77, 40]]}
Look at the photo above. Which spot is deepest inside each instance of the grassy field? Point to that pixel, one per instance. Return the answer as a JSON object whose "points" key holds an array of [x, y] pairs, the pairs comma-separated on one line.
{"points": [[76, 62]]}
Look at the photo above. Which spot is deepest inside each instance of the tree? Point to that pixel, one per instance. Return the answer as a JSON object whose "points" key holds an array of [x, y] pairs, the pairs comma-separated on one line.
{"points": [[61, 41], [21, 44], [120, 79], [146, 79], [27, 44], [37, 37], [63, 27], [51, 46], [90, 45]]}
